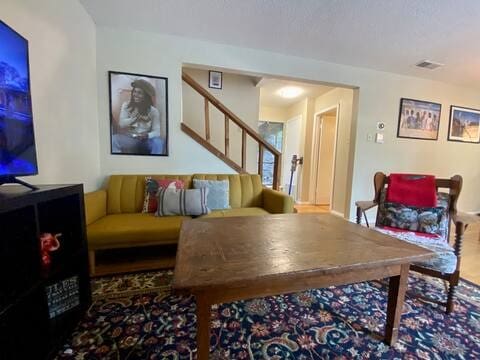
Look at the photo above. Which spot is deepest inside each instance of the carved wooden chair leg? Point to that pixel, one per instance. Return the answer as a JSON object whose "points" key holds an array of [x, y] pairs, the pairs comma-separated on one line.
{"points": [[359, 215], [452, 291], [454, 278]]}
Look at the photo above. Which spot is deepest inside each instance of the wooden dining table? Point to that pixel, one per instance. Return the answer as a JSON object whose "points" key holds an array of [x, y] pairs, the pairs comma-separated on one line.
{"points": [[222, 260]]}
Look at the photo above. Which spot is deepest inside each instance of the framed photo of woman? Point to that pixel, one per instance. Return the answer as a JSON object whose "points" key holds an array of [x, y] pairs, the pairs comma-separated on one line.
{"points": [[138, 114]]}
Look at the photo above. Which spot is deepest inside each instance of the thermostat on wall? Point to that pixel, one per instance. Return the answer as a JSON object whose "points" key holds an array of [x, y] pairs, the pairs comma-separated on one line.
{"points": [[380, 125]]}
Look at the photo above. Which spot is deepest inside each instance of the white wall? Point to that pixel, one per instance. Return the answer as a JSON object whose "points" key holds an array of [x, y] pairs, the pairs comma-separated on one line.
{"points": [[240, 95], [274, 114], [149, 54], [378, 100], [62, 48]]}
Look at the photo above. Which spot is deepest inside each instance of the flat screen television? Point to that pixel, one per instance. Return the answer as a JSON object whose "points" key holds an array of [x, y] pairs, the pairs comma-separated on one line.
{"points": [[17, 141]]}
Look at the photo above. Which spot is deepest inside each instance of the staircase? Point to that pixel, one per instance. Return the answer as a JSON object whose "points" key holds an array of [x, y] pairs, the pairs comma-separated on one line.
{"points": [[224, 154]]}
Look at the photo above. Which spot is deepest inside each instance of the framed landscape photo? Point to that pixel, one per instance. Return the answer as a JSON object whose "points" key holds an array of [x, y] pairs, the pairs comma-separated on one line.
{"points": [[138, 114], [464, 125], [215, 79], [418, 119]]}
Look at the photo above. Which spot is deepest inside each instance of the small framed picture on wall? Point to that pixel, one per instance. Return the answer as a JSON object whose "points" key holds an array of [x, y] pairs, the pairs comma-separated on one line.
{"points": [[464, 125], [138, 114], [418, 119], [215, 79]]}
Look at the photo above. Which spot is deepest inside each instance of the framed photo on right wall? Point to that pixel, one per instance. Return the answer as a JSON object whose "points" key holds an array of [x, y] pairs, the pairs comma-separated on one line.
{"points": [[464, 125]]}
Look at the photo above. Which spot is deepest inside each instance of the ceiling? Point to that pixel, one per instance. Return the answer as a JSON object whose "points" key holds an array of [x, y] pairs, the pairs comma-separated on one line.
{"points": [[383, 35], [269, 92]]}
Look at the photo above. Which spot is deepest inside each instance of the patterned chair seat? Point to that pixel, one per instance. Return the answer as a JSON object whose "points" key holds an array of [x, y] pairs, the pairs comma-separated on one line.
{"points": [[444, 261]]}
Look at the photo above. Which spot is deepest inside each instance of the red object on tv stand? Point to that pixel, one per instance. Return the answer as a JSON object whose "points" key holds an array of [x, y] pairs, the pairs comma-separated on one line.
{"points": [[48, 243]]}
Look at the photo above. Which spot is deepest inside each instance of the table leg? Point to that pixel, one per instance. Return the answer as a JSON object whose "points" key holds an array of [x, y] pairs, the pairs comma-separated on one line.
{"points": [[396, 296], [203, 327]]}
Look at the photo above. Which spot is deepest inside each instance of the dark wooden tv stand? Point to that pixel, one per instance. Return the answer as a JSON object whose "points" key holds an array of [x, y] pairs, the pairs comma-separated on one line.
{"points": [[40, 305]]}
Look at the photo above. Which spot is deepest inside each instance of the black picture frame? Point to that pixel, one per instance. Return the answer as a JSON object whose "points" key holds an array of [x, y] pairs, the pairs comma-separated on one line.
{"points": [[130, 140], [215, 79], [417, 125], [456, 127]]}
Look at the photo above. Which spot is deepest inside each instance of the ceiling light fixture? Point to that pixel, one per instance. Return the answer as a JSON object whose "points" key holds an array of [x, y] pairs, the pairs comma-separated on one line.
{"points": [[290, 92]]}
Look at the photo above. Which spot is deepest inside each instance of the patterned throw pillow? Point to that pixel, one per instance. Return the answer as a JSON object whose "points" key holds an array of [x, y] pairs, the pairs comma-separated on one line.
{"points": [[182, 202], [429, 220], [152, 185], [218, 194]]}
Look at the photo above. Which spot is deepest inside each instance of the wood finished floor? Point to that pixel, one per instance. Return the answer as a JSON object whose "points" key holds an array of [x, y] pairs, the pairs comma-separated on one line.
{"points": [[470, 264], [309, 209]]}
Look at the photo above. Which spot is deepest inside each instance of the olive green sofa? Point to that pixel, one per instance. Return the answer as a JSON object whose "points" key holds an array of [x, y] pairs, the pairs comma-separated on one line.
{"points": [[115, 220]]}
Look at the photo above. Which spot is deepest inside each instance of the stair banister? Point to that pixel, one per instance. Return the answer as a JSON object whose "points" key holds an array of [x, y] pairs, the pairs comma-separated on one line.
{"points": [[246, 129]]}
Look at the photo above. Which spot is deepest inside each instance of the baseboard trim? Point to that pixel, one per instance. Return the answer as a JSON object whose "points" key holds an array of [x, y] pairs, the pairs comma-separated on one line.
{"points": [[336, 213]]}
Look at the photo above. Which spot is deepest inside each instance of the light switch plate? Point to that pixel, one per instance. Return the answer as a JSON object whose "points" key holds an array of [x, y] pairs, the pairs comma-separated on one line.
{"points": [[379, 138]]}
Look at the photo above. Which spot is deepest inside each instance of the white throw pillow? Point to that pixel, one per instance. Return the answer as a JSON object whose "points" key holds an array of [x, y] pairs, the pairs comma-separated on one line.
{"points": [[218, 193], [173, 201]]}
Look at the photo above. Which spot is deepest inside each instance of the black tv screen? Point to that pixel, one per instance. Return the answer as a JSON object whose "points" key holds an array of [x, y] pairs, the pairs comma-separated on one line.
{"points": [[17, 140]]}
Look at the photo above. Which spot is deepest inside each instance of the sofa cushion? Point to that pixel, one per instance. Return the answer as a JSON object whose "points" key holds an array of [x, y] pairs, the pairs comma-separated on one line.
{"points": [[251, 211], [126, 230], [421, 219], [125, 193], [245, 189], [428, 220]]}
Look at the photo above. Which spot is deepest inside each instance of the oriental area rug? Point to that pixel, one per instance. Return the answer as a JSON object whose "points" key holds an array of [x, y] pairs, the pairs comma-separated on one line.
{"points": [[136, 316]]}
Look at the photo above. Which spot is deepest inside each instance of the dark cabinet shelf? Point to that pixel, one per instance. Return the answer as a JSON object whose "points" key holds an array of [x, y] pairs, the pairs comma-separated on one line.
{"points": [[40, 305]]}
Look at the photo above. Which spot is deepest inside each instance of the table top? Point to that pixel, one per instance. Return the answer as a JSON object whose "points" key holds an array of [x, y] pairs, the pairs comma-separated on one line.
{"points": [[219, 252]]}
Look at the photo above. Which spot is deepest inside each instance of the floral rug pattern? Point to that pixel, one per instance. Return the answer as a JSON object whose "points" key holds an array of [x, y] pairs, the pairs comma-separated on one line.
{"points": [[136, 317]]}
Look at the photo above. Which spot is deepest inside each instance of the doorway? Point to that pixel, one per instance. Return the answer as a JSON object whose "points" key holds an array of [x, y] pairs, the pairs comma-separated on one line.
{"points": [[324, 141], [291, 147]]}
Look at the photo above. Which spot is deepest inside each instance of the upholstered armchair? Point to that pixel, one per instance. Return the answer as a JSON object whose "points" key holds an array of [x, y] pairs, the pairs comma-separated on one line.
{"points": [[446, 262]]}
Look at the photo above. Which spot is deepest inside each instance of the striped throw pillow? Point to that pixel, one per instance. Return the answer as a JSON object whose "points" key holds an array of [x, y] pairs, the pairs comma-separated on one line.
{"points": [[173, 201]]}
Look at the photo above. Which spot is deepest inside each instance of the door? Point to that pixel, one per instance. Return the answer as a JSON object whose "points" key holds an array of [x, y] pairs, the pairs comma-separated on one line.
{"points": [[326, 155], [291, 147]]}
